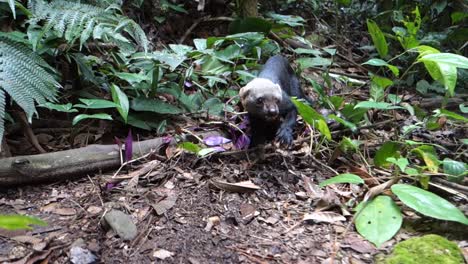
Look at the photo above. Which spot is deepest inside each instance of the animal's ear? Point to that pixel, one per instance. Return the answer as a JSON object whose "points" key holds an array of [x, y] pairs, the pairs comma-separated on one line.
{"points": [[243, 93], [277, 85]]}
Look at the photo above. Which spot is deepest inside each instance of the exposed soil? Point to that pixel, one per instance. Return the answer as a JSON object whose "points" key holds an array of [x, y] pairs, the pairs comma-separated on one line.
{"points": [[258, 227]]}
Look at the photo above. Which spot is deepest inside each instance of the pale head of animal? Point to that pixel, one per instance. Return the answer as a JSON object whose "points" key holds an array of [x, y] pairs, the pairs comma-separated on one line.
{"points": [[261, 98]]}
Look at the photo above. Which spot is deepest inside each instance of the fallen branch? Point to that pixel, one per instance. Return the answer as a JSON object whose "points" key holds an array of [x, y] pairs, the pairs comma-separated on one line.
{"points": [[63, 165]]}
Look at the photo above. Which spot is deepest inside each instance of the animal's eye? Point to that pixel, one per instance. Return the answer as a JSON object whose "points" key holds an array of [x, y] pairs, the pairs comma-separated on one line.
{"points": [[259, 100]]}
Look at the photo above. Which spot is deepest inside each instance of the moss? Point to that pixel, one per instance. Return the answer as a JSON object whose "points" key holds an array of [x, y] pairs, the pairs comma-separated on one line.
{"points": [[427, 249]]}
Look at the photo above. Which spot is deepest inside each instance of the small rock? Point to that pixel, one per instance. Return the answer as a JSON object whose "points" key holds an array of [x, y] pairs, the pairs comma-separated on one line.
{"points": [[212, 221], [122, 224], [80, 255], [162, 254]]}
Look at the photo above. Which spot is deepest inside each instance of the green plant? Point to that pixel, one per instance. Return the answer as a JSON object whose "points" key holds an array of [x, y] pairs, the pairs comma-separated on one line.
{"points": [[16, 222], [24, 76], [75, 20]]}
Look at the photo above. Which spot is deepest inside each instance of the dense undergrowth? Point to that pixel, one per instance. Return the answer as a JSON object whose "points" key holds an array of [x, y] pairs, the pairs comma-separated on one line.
{"points": [[94, 62]]}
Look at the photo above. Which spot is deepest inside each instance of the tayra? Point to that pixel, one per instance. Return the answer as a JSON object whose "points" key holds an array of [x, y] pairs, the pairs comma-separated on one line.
{"points": [[268, 103]]}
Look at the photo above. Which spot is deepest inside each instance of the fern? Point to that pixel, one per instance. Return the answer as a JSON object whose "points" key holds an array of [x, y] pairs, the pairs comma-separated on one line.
{"points": [[23, 76], [76, 20]]}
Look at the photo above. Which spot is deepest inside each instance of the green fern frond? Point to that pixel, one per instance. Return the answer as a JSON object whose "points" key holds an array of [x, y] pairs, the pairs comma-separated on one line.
{"points": [[76, 20], [2, 116], [23, 76]]}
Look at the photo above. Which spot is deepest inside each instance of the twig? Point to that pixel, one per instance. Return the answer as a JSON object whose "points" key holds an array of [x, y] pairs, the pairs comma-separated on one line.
{"points": [[198, 21], [28, 131], [342, 73]]}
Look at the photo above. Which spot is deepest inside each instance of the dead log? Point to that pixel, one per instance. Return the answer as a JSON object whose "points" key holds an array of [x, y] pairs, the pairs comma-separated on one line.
{"points": [[63, 165]]}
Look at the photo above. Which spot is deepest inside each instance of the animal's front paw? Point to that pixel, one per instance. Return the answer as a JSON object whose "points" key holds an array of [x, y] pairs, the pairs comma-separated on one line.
{"points": [[285, 136]]}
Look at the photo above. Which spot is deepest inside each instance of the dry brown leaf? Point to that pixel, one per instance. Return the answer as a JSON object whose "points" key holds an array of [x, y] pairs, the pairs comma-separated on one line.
{"points": [[240, 187], [167, 199], [369, 179], [94, 210], [327, 217], [358, 244], [65, 211], [27, 239]]}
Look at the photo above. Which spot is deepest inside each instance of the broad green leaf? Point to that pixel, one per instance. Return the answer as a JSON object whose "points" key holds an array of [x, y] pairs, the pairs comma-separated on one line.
{"points": [[463, 108], [15, 222], [379, 220], [428, 203], [173, 60], [393, 98], [349, 145], [190, 147], [95, 104], [378, 86], [121, 99], [215, 106], [458, 16], [206, 151], [456, 169], [449, 77], [81, 117], [387, 150], [132, 78], [411, 171], [292, 21], [180, 49], [464, 141], [67, 108], [308, 51], [379, 62], [378, 38], [229, 53], [352, 114], [424, 50], [381, 81], [450, 115], [330, 51], [200, 44], [429, 155], [447, 58], [340, 120], [214, 66], [343, 178], [400, 162], [376, 105], [313, 118], [305, 63], [153, 105]]}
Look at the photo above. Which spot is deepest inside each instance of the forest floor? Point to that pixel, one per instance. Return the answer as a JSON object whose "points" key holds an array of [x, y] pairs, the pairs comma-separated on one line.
{"points": [[184, 211], [181, 217]]}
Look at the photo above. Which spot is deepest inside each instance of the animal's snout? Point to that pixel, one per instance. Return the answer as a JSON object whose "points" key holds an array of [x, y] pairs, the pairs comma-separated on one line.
{"points": [[272, 111]]}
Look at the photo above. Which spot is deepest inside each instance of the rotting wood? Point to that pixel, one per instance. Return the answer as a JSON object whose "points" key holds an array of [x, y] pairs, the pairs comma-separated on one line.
{"points": [[63, 165], [75, 163]]}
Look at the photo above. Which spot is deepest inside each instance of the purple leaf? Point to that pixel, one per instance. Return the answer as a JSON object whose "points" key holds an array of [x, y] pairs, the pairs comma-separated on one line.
{"points": [[215, 140], [242, 142], [188, 84], [129, 146], [219, 149], [245, 122], [167, 139]]}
